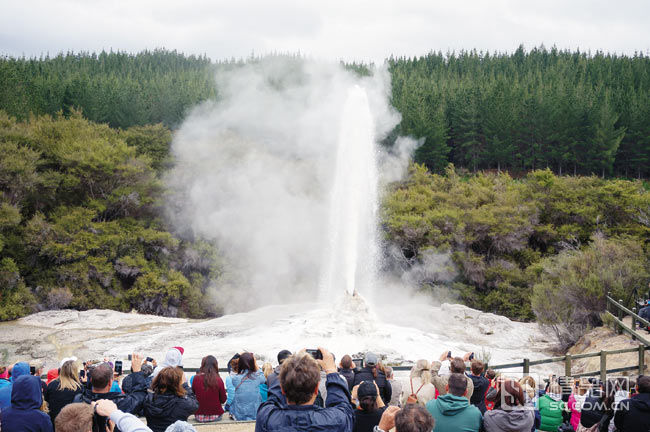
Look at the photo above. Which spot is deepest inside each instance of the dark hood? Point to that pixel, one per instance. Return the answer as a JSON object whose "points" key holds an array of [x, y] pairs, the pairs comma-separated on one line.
{"points": [[26, 393], [159, 405], [642, 402], [19, 370]]}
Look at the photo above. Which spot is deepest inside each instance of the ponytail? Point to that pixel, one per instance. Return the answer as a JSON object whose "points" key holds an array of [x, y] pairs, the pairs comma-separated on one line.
{"points": [[374, 371], [368, 404]]}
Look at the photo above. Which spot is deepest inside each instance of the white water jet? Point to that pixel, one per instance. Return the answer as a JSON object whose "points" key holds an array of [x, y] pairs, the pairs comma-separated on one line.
{"points": [[351, 252]]}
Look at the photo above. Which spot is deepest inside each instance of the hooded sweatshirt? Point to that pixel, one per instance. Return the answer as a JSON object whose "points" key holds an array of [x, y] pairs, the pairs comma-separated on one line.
{"points": [[550, 409], [633, 414], [520, 419], [161, 410], [454, 414], [24, 414], [173, 358], [19, 369]]}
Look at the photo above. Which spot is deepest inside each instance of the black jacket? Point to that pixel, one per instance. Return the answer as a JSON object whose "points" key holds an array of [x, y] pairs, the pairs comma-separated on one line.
{"points": [[593, 411], [633, 415], [348, 374], [161, 410], [273, 377], [481, 385], [128, 403], [365, 374], [57, 398]]}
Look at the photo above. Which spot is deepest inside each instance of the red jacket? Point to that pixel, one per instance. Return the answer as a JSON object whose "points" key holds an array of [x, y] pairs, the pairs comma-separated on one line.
{"points": [[210, 400]]}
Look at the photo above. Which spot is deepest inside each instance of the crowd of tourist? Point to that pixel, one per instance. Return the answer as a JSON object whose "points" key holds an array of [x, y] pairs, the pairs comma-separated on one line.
{"points": [[309, 391]]}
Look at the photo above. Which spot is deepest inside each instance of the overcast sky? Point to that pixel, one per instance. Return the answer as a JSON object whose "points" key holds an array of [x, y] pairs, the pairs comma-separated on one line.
{"points": [[326, 29]]}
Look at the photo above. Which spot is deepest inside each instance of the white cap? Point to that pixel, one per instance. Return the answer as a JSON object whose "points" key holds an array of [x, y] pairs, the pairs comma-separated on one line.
{"points": [[67, 359]]}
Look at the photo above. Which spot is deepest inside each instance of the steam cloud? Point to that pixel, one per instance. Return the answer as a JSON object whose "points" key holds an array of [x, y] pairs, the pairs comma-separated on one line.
{"points": [[254, 172]]}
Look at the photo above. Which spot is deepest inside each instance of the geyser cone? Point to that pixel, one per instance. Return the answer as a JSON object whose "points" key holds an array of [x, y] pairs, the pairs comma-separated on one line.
{"points": [[351, 254]]}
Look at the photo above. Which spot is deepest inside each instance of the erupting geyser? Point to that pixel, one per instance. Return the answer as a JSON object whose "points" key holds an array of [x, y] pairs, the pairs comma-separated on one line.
{"points": [[351, 250]]}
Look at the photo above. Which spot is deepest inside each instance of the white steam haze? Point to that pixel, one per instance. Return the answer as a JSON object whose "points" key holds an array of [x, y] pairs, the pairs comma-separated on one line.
{"points": [[255, 172]]}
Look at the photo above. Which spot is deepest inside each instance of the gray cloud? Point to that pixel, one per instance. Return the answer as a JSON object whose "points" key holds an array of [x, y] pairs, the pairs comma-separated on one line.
{"points": [[358, 29]]}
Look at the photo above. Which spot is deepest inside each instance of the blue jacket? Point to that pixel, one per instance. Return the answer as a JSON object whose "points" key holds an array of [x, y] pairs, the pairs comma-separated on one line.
{"points": [[230, 392], [247, 397], [19, 369], [338, 416], [24, 414]]}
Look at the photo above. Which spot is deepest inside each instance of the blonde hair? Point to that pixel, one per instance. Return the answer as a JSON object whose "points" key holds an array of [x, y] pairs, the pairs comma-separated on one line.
{"points": [[421, 370], [267, 369], [528, 380], [69, 376]]}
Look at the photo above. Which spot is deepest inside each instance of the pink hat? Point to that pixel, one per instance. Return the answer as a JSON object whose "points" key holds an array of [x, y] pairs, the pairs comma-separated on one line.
{"points": [[182, 351]]}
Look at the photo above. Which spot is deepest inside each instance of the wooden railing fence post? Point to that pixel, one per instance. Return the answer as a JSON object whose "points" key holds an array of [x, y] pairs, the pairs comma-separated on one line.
{"points": [[641, 359], [603, 366], [619, 311], [567, 365]]}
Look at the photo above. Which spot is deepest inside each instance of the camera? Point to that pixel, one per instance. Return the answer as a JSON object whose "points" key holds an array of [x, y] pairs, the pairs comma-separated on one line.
{"points": [[315, 353], [118, 367]]}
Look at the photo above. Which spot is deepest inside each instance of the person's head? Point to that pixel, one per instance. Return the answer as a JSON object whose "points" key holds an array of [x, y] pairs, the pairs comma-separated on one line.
{"points": [[509, 395], [421, 370], [19, 369], [75, 417], [69, 376], [367, 394], [283, 355], [555, 388], [101, 378], [457, 384], [146, 369], [457, 365], [210, 370], [267, 369], [233, 364], [490, 374], [389, 373], [370, 361], [346, 362], [477, 367], [52, 374], [180, 426], [299, 378], [247, 363], [643, 384], [38, 366], [26, 393], [173, 357], [169, 380], [413, 418]]}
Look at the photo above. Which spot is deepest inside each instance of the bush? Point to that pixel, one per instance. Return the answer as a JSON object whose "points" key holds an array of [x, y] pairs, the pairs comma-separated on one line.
{"points": [[569, 296]]}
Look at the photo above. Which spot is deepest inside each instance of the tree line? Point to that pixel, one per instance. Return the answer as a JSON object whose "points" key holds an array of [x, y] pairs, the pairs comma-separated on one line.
{"points": [[569, 111]]}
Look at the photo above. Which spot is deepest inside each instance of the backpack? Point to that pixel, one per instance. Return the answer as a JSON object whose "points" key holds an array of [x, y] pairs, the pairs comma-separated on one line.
{"points": [[413, 397]]}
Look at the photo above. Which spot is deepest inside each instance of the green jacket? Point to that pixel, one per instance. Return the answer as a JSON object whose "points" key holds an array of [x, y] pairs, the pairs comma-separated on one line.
{"points": [[454, 414], [551, 412]]}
